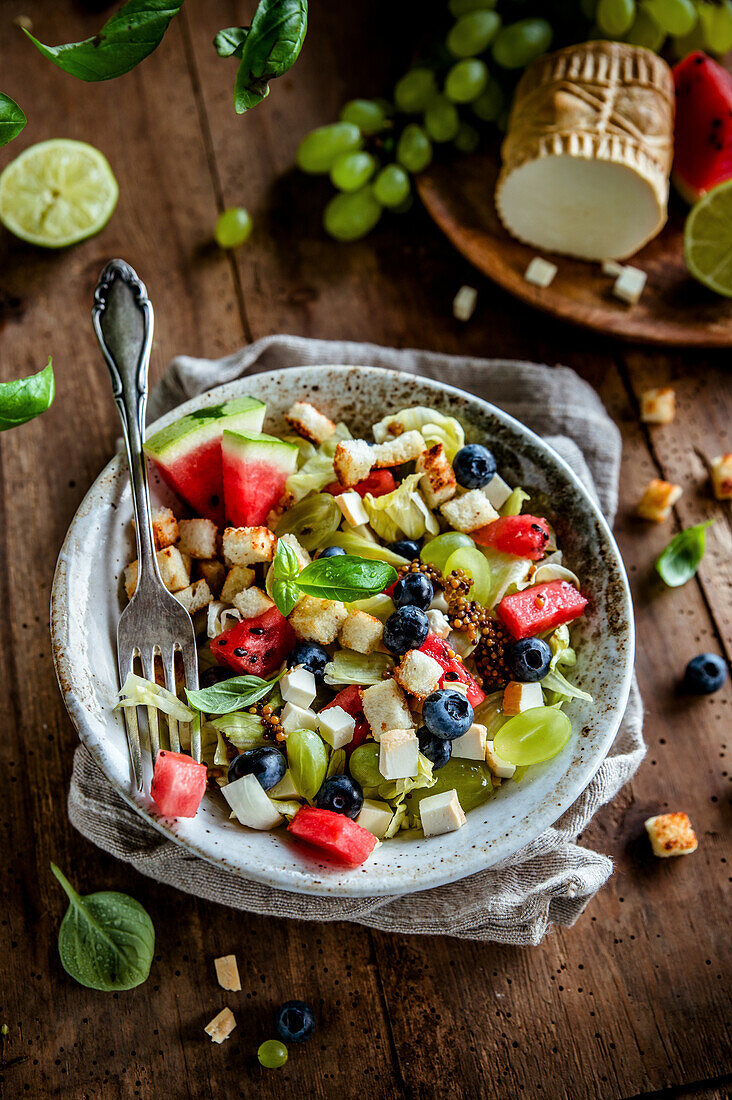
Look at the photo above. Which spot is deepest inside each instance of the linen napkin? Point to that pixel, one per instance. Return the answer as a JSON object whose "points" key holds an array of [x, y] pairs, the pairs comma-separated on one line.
{"points": [[550, 881]]}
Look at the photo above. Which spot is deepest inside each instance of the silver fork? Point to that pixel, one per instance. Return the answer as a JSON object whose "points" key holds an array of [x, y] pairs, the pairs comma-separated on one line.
{"points": [[153, 624]]}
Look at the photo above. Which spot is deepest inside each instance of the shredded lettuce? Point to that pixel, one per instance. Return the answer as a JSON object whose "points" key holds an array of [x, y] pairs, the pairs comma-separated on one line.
{"points": [[221, 756], [508, 573], [515, 503], [244, 731], [349, 667], [401, 512], [559, 644], [209, 743], [395, 824], [556, 682], [365, 548], [218, 613], [312, 477], [551, 571], [380, 606], [341, 433], [434, 426], [313, 520], [288, 808], [305, 449], [138, 692], [394, 791]]}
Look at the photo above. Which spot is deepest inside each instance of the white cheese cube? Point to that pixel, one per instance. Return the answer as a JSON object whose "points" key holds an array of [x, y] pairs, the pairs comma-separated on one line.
{"points": [[250, 803], [439, 623], [399, 754], [497, 491], [471, 746], [540, 272], [500, 768], [439, 603], [385, 708], [352, 508], [298, 686], [227, 973], [375, 816], [336, 726], [221, 1026], [612, 268], [464, 303], [518, 697], [629, 284], [441, 813], [294, 718]]}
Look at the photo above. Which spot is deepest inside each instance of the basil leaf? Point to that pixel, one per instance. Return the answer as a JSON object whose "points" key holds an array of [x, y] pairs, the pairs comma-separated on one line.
{"points": [[678, 563], [12, 119], [230, 695], [285, 570], [26, 398], [285, 595], [271, 48], [307, 758], [345, 578], [230, 41], [123, 42], [106, 940]]}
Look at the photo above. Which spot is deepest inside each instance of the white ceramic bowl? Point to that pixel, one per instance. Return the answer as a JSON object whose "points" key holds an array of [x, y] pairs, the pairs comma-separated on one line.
{"points": [[88, 596]]}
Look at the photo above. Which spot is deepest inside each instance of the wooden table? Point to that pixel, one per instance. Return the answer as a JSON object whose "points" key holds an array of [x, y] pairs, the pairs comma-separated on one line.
{"points": [[632, 1000]]}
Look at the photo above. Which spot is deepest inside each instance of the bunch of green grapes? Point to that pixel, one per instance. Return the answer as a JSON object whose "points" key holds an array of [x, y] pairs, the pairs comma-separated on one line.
{"points": [[691, 24]]}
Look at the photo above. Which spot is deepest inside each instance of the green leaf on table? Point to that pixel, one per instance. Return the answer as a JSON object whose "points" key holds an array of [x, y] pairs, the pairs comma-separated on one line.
{"points": [[106, 940], [345, 578], [12, 119], [679, 562], [271, 47], [230, 695], [124, 41], [26, 398], [230, 41]]}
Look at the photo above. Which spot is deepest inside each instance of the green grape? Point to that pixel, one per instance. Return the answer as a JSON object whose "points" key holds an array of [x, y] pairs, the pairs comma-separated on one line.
{"points": [[716, 26], [414, 148], [467, 138], [645, 32], [471, 780], [473, 33], [272, 1054], [521, 43], [319, 149], [688, 43], [589, 8], [466, 80], [441, 119], [536, 735], [615, 17], [475, 564], [367, 114], [351, 215], [438, 550], [404, 207], [414, 91], [489, 105], [677, 17], [233, 227], [462, 7], [364, 765], [391, 186], [352, 170]]}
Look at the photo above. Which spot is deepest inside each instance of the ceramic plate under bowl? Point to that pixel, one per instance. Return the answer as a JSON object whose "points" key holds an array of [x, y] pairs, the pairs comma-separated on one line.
{"points": [[88, 596]]}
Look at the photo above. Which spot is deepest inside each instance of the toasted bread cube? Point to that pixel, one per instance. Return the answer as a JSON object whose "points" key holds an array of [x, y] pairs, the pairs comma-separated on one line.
{"points": [[418, 673], [308, 422], [520, 697], [361, 632], [252, 602], [501, 769], [352, 508], [130, 578], [394, 452], [227, 973], [248, 545], [464, 303], [197, 538], [196, 596], [175, 571], [658, 500], [399, 754], [352, 461], [671, 835], [438, 480], [300, 552], [441, 813], [722, 476], [214, 573], [221, 1026], [658, 406], [164, 527], [470, 511], [316, 620], [439, 622], [385, 708], [237, 579]]}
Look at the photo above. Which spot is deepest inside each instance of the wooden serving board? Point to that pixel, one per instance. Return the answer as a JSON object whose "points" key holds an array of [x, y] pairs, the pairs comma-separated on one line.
{"points": [[674, 309]]}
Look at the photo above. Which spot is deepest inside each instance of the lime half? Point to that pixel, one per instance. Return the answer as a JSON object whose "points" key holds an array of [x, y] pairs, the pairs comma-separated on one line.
{"points": [[57, 193], [708, 239]]}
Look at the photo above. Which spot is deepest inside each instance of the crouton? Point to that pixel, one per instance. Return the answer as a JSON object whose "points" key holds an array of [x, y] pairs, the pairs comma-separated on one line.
{"points": [[316, 620], [438, 480], [197, 538], [418, 673], [300, 552], [227, 973], [658, 500], [352, 461], [658, 406], [361, 632], [221, 1026], [308, 422], [237, 579], [722, 476], [671, 835], [248, 545], [195, 596], [394, 452], [385, 708], [164, 527], [470, 511], [175, 571], [214, 573], [252, 602]]}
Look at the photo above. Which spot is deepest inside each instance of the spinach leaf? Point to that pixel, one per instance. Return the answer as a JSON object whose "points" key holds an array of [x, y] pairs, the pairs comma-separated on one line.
{"points": [[106, 940], [12, 119], [22, 400], [345, 578], [230, 41], [231, 695], [285, 570], [271, 47], [678, 563], [123, 42]]}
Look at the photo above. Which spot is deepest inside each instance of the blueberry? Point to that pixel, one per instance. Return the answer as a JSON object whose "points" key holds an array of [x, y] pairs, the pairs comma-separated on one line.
{"points": [[295, 1022], [528, 660], [406, 629], [267, 764], [312, 656], [331, 552], [474, 466], [341, 794], [436, 749], [406, 548], [705, 674], [447, 714], [413, 588]]}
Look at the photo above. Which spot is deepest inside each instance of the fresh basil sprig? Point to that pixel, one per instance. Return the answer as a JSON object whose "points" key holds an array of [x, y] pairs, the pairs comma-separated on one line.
{"points": [[266, 50], [106, 940], [285, 574], [345, 578], [679, 562], [12, 119], [26, 398], [230, 695]]}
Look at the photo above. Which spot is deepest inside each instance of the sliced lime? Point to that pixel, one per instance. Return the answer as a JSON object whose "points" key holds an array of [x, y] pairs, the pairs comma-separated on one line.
{"points": [[708, 239]]}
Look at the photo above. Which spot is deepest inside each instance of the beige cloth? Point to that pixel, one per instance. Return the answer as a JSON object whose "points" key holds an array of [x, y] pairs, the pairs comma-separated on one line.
{"points": [[548, 882]]}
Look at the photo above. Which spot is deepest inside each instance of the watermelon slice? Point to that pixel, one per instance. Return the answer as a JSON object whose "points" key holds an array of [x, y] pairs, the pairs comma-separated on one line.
{"points": [[703, 128], [178, 784], [255, 469], [255, 646], [333, 833], [188, 452]]}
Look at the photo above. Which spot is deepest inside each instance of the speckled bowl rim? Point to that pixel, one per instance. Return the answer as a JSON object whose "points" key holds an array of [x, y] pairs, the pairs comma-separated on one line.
{"points": [[338, 881]]}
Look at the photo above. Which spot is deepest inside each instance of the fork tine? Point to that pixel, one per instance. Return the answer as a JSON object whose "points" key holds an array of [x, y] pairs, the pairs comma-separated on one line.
{"points": [[148, 666], [169, 666], [131, 728], [190, 667]]}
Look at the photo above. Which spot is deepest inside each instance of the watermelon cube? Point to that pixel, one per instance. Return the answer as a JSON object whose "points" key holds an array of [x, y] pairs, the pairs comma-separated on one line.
{"points": [[255, 468], [543, 607], [335, 834], [255, 646], [455, 670], [178, 784], [524, 536]]}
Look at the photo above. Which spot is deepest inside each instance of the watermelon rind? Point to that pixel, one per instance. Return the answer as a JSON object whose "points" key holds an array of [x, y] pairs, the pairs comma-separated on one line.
{"points": [[200, 427]]}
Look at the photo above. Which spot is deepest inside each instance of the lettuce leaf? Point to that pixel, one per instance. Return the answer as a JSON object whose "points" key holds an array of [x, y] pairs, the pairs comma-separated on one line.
{"points": [[396, 822], [434, 426], [515, 503], [508, 573], [555, 682], [244, 731], [349, 667], [394, 791], [136, 692], [401, 512]]}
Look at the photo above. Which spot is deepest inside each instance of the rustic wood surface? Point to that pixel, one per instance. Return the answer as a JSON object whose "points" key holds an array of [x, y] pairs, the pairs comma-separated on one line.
{"points": [[631, 1002]]}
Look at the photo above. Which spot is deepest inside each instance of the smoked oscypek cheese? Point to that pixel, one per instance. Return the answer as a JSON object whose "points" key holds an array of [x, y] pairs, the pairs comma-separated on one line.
{"points": [[588, 151]]}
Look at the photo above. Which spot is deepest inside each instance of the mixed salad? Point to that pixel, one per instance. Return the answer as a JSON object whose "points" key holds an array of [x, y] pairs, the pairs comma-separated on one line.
{"points": [[383, 625]]}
